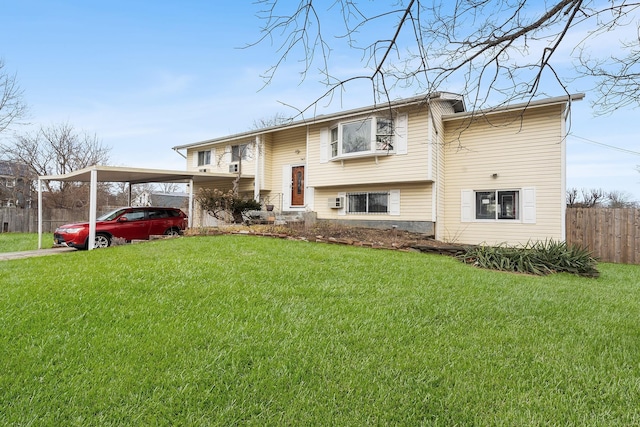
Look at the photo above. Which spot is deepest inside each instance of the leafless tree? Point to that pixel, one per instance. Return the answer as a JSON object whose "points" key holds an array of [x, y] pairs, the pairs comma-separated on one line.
{"points": [[170, 187], [56, 150], [490, 51], [588, 198], [572, 197], [275, 120], [620, 199], [237, 154], [12, 106]]}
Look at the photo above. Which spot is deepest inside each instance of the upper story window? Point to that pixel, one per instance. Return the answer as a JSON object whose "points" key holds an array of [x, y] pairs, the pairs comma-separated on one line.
{"points": [[240, 152], [372, 136], [364, 136], [9, 182], [204, 158]]}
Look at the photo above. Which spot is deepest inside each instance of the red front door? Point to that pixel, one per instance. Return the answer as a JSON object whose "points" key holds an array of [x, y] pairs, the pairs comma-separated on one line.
{"points": [[297, 187]]}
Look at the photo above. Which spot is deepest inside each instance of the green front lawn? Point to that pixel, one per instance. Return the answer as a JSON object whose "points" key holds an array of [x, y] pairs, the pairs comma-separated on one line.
{"points": [[15, 242], [241, 330]]}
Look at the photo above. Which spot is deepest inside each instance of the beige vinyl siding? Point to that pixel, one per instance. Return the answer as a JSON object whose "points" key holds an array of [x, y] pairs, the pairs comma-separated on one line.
{"points": [[415, 202], [410, 167], [289, 148], [267, 160], [438, 163], [526, 151], [221, 158]]}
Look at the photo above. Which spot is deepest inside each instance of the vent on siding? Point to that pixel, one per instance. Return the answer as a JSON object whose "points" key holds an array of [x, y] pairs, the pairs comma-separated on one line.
{"points": [[233, 168]]}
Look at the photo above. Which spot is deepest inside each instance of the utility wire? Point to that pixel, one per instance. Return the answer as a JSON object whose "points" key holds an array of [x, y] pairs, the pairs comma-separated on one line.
{"points": [[624, 150]]}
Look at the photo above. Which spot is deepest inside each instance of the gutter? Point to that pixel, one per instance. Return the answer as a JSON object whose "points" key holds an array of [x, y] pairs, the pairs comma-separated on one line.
{"points": [[516, 107]]}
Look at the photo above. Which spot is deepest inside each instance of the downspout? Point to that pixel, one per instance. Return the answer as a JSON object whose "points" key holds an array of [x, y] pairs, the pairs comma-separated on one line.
{"points": [[433, 134], [563, 174], [257, 181]]}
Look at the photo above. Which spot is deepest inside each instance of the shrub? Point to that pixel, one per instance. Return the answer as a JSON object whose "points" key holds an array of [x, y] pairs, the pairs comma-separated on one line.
{"points": [[222, 205], [538, 258]]}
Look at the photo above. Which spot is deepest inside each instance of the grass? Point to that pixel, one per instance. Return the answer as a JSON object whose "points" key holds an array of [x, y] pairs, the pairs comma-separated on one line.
{"points": [[241, 330], [14, 242]]}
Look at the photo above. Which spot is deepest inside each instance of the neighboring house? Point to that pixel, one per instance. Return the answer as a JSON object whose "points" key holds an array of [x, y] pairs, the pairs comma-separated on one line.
{"points": [[16, 181], [420, 164], [161, 200]]}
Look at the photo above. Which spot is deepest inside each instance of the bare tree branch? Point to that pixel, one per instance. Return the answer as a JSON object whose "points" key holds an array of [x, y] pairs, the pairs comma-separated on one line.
{"points": [[12, 106], [493, 52]]}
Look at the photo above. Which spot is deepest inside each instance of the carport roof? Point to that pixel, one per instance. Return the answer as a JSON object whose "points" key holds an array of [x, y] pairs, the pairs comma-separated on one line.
{"points": [[137, 175]]}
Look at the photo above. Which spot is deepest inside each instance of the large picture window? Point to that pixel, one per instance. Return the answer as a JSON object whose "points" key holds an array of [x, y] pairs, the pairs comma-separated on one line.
{"points": [[371, 135], [500, 204], [372, 203]]}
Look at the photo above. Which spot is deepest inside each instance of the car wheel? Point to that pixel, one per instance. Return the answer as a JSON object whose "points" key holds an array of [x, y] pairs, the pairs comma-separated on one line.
{"points": [[102, 241], [172, 232]]}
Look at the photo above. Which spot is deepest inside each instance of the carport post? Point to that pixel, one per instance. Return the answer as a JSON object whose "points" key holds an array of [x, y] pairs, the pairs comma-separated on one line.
{"points": [[93, 201], [190, 218], [39, 213]]}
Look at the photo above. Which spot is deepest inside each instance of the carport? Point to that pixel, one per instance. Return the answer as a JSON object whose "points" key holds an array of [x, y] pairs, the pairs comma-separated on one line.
{"points": [[95, 174]]}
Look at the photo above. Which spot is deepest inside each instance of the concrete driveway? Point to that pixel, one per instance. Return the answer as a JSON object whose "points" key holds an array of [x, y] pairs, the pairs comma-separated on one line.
{"points": [[4, 256]]}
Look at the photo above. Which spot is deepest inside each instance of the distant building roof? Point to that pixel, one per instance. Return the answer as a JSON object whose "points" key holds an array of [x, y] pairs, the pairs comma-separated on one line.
{"points": [[15, 169]]}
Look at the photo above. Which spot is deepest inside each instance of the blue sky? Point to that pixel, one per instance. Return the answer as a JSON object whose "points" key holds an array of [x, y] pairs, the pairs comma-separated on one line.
{"points": [[146, 76]]}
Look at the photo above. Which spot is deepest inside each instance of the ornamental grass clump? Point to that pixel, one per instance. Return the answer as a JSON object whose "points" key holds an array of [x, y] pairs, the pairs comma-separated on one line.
{"points": [[540, 258]]}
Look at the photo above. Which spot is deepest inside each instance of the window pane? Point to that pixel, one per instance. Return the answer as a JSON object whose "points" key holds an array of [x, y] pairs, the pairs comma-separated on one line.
{"points": [[384, 134], [356, 137], [508, 205], [357, 202], [235, 153], [485, 205], [334, 142], [204, 158], [378, 202]]}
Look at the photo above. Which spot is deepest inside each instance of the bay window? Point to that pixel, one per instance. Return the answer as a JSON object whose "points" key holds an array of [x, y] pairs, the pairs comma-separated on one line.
{"points": [[372, 135]]}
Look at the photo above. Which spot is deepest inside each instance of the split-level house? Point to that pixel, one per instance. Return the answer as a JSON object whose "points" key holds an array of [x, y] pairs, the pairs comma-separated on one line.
{"points": [[422, 164]]}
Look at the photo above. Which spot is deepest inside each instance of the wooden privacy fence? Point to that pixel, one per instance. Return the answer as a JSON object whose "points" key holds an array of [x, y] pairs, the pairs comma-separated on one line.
{"points": [[612, 235], [19, 220]]}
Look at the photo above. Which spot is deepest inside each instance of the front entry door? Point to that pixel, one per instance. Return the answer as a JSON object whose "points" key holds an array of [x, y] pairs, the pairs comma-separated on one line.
{"points": [[297, 187]]}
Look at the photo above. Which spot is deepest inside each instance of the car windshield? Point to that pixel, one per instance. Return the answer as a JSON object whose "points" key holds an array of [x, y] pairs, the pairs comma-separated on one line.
{"points": [[110, 215]]}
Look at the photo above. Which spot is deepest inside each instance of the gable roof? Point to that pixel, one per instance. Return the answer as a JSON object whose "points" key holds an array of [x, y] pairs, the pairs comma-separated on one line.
{"points": [[454, 99], [15, 169]]}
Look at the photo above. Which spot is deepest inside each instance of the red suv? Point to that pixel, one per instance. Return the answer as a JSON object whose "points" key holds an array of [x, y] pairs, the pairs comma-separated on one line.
{"points": [[133, 223]]}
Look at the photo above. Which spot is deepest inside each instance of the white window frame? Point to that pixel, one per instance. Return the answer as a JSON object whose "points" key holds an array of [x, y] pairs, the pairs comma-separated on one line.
{"points": [[367, 194], [524, 212], [336, 138], [240, 152], [206, 158]]}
